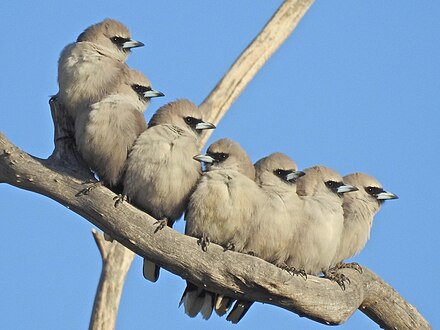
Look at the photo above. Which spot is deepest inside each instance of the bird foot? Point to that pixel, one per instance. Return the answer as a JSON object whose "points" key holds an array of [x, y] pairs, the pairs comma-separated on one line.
{"points": [[87, 190], [339, 278], [161, 224], [352, 265], [119, 199], [204, 242], [229, 247], [294, 271]]}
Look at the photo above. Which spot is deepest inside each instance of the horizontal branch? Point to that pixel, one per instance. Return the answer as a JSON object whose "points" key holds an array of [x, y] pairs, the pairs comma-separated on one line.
{"points": [[231, 273]]}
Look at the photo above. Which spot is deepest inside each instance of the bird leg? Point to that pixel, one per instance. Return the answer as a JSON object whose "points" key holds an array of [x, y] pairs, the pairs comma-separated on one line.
{"points": [[119, 199], [339, 278], [293, 271], [87, 190], [204, 242], [161, 224], [352, 265]]}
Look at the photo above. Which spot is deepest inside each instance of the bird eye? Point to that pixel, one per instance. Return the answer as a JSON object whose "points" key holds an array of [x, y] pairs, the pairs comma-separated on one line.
{"points": [[373, 191], [189, 120], [224, 156], [330, 184], [137, 88], [119, 40]]}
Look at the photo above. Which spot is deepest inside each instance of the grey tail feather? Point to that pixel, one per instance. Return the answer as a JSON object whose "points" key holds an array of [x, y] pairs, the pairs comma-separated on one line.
{"points": [[239, 310], [150, 271], [222, 304], [208, 305], [192, 299]]}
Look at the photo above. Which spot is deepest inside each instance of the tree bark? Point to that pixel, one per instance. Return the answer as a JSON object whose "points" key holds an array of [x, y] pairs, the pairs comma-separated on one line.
{"points": [[116, 261], [234, 274]]}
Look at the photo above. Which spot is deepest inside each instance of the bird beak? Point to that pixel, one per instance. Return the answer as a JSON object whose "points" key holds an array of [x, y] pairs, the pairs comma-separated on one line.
{"points": [[153, 93], [204, 125], [386, 195], [204, 158], [346, 188], [132, 44], [292, 176]]}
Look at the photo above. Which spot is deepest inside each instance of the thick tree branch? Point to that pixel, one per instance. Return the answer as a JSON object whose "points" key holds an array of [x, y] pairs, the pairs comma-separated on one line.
{"points": [[231, 273], [116, 261], [276, 31]]}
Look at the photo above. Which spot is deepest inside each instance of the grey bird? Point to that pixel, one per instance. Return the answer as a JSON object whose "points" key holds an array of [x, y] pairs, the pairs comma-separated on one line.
{"points": [[276, 174], [221, 210], [315, 243], [360, 207], [93, 66], [106, 132], [160, 172]]}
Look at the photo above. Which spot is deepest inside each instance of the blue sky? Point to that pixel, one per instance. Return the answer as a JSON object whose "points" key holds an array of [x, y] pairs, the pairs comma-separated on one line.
{"points": [[356, 87]]}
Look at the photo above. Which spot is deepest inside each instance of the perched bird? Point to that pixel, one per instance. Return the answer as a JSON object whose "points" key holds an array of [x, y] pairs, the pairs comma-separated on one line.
{"points": [[160, 172], [106, 132], [270, 238], [315, 243], [93, 66], [360, 207], [221, 210]]}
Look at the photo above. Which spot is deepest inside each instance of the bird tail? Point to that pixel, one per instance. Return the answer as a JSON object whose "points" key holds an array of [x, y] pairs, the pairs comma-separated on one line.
{"points": [[196, 300], [222, 304], [239, 310], [150, 271]]}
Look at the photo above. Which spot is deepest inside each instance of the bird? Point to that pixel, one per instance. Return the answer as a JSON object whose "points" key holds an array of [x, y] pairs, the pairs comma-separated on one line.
{"points": [[105, 134], [276, 174], [160, 172], [94, 65], [359, 207], [314, 244], [221, 210]]}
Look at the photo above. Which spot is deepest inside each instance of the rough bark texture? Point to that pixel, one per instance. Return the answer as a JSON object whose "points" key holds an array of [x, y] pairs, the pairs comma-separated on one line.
{"points": [[237, 275], [116, 261]]}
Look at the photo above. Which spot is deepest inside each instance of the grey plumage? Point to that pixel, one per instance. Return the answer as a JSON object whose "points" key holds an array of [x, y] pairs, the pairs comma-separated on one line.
{"points": [[93, 66], [360, 207], [160, 173], [223, 206], [106, 132], [270, 237], [315, 243]]}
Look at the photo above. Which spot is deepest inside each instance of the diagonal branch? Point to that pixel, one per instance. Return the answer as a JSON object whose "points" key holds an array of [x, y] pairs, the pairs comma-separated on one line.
{"points": [[237, 275], [276, 31]]}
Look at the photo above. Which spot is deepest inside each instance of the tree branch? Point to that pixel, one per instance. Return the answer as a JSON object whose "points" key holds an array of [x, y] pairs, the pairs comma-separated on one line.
{"points": [[234, 274], [116, 261], [276, 31]]}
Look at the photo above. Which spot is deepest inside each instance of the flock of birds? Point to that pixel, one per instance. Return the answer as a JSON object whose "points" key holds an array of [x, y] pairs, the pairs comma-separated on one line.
{"points": [[306, 222]]}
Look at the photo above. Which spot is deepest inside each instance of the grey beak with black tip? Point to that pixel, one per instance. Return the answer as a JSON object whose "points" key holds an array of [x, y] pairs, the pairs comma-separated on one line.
{"points": [[204, 125], [346, 188], [294, 175], [204, 159], [153, 93], [386, 195], [132, 44]]}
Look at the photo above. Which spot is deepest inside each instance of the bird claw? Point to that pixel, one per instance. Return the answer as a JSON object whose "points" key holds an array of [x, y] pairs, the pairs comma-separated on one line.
{"points": [[294, 271], [119, 199], [338, 278], [230, 247], [87, 190], [161, 224], [204, 242], [352, 265]]}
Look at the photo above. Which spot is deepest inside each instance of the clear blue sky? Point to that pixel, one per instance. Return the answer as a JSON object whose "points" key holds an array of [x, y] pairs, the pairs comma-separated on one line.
{"points": [[356, 87]]}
